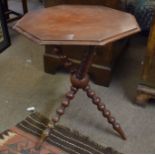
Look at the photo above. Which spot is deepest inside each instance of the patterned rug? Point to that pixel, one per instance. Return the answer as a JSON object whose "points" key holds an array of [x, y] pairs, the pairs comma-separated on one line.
{"points": [[24, 137]]}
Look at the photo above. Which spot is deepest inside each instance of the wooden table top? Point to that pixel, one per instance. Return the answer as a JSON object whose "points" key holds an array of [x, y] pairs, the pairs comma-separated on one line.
{"points": [[77, 25]]}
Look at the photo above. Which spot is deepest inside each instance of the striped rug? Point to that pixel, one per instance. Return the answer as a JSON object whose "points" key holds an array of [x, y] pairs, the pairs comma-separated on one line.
{"points": [[24, 137]]}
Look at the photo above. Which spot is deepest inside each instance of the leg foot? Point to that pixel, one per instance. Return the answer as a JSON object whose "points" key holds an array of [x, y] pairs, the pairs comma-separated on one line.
{"points": [[65, 103], [106, 113], [44, 136]]}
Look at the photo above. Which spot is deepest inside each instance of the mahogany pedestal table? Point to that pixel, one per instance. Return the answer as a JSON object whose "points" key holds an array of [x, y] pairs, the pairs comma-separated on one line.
{"points": [[89, 26]]}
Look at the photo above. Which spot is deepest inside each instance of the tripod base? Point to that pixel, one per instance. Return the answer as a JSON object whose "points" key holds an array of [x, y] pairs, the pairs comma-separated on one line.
{"points": [[80, 80]]}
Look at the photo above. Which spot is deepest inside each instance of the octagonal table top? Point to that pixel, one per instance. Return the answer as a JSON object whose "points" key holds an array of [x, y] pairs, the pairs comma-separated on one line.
{"points": [[77, 25]]}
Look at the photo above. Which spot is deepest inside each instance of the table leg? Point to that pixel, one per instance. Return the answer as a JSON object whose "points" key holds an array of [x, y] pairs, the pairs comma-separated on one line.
{"points": [[106, 113], [5, 7], [25, 7], [60, 111], [80, 80]]}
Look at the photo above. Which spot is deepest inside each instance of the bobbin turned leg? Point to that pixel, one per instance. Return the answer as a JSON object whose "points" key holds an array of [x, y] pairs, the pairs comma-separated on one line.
{"points": [[60, 111], [106, 113], [80, 80]]}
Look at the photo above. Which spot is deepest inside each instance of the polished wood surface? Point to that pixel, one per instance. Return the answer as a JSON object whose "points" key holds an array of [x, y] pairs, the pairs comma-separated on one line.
{"points": [[106, 56], [77, 25]]}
